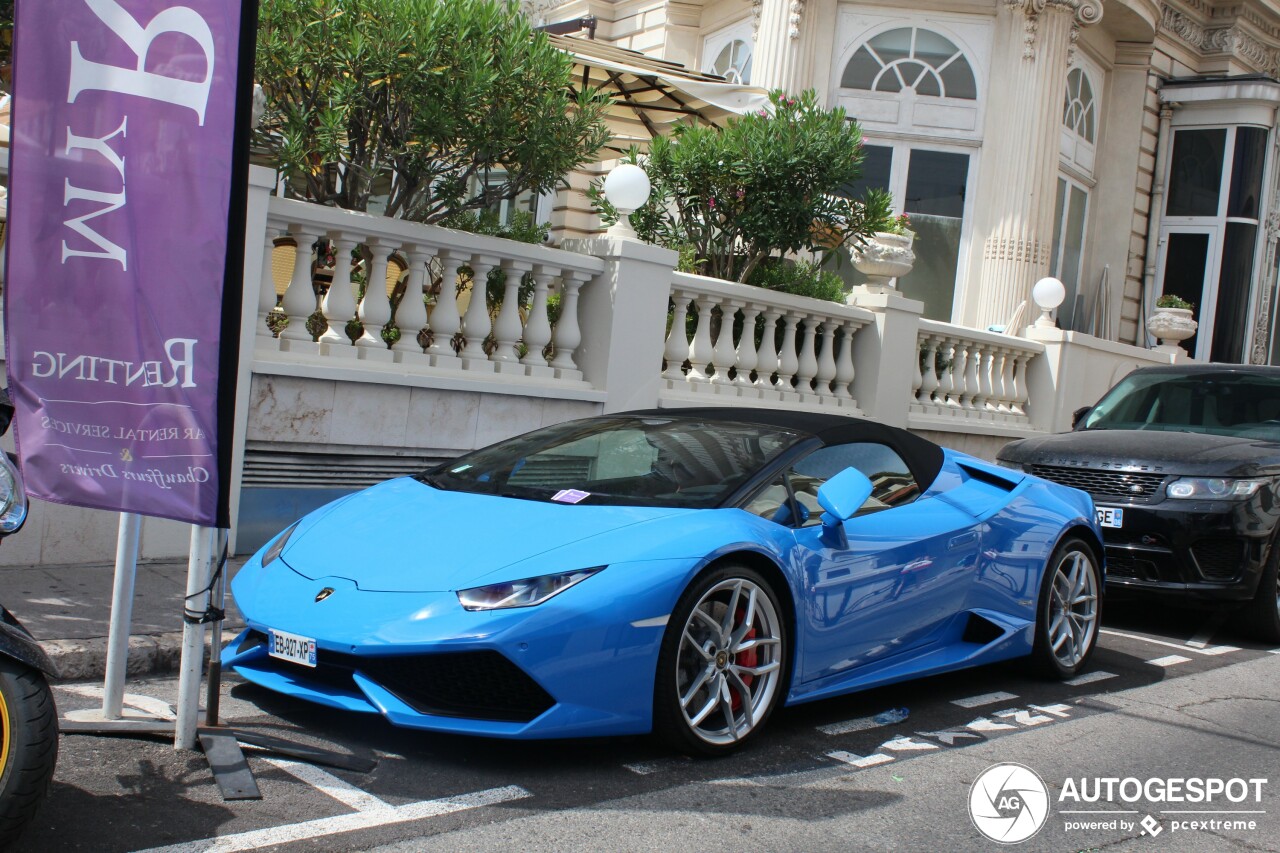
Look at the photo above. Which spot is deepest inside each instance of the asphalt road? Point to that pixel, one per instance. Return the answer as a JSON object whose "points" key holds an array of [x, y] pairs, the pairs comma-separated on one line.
{"points": [[1169, 694]]}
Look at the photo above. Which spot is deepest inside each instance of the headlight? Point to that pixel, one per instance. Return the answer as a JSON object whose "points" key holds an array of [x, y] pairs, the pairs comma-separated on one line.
{"points": [[278, 546], [524, 593], [1213, 488], [13, 497]]}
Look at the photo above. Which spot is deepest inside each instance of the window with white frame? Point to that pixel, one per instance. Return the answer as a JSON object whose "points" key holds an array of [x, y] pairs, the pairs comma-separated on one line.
{"points": [[1079, 139], [1070, 212], [919, 83], [728, 53], [1079, 121], [914, 58]]}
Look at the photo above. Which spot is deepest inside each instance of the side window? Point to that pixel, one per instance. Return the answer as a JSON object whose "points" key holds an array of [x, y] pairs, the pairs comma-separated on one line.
{"points": [[891, 479], [774, 503]]}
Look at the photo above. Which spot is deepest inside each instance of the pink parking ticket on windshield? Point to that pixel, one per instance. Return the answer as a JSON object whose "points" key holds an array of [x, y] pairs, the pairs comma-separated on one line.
{"points": [[570, 496]]}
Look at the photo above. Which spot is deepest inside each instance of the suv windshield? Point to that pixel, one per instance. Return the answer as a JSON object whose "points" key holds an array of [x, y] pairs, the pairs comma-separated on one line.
{"points": [[620, 461], [1228, 403]]}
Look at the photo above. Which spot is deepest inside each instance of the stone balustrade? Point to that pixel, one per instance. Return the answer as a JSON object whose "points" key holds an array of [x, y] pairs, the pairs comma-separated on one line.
{"points": [[442, 266], [756, 346], [971, 375]]}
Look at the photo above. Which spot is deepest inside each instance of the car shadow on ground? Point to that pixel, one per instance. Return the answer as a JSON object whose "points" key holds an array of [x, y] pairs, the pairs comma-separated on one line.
{"points": [[793, 738]]}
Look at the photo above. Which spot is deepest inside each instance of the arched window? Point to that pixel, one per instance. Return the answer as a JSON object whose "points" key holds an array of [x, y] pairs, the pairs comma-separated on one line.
{"points": [[733, 62], [727, 52], [1078, 114], [911, 58]]}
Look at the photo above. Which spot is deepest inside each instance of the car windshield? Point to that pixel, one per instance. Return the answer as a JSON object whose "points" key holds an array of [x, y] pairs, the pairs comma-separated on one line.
{"points": [[1228, 403], [619, 461]]}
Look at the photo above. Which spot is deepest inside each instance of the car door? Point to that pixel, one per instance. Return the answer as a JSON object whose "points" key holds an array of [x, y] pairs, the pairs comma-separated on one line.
{"points": [[902, 572]]}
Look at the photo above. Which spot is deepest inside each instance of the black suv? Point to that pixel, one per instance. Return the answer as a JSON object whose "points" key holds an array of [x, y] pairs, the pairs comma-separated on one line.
{"points": [[1183, 464]]}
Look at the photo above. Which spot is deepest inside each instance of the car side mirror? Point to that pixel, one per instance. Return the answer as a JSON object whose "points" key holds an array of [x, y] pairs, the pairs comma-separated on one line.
{"points": [[1079, 414], [843, 495]]}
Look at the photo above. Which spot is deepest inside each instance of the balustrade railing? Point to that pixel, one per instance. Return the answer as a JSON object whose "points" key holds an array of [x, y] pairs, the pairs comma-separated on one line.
{"points": [[968, 374], [754, 344], [424, 329]]}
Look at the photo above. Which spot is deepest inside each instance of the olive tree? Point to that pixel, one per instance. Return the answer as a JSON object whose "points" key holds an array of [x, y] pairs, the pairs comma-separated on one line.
{"points": [[767, 184], [415, 100]]}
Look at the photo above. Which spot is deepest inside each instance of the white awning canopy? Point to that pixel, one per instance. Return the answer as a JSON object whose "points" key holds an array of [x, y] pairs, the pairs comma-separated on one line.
{"points": [[651, 96]]}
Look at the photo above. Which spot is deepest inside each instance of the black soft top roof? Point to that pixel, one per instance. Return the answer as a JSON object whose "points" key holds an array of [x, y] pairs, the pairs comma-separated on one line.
{"points": [[922, 456]]}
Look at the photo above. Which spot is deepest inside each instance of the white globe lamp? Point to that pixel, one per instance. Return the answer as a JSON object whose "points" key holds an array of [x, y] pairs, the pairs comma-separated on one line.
{"points": [[1048, 294], [627, 189]]}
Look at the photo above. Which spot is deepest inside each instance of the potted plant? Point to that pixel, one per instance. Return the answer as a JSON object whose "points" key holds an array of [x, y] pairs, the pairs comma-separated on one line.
{"points": [[1172, 321], [887, 256]]}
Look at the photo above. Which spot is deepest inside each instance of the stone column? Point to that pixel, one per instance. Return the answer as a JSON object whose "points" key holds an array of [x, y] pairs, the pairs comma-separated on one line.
{"points": [[794, 40], [1035, 44]]}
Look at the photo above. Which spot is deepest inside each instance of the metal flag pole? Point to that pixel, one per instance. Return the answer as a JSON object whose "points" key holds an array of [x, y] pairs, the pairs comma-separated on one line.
{"points": [[198, 572], [218, 606], [121, 615]]}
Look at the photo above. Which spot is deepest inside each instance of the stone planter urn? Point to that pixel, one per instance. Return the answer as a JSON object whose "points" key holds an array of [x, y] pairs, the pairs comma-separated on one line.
{"points": [[1171, 326], [884, 259]]}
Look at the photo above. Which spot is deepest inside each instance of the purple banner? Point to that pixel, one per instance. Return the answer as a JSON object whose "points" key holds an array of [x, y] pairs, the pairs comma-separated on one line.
{"points": [[122, 183]]}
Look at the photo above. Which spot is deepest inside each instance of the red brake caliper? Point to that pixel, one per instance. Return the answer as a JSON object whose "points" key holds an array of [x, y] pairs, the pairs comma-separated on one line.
{"points": [[747, 658]]}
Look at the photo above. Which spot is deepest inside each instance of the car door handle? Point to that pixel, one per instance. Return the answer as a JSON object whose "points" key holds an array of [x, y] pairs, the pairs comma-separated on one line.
{"points": [[962, 540]]}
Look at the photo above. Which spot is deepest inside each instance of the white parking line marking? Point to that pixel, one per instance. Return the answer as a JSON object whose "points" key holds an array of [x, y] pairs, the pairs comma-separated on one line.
{"points": [[1089, 678], [948, 737], [861, 724], [984, 699], [1024, 717], [860, 760], [906, 744], [1169, 660], [347, 794], [644, 768], [325, 826], [1182, 647], [1206, 632], [982, 724]]}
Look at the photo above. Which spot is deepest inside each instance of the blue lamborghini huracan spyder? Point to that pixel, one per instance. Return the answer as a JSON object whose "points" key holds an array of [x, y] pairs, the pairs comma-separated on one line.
{"points": [[678, 571]]}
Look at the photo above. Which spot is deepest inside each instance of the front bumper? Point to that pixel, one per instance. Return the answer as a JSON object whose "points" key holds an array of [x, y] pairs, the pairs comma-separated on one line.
{"points": [[581, 665], [1209, 551]]}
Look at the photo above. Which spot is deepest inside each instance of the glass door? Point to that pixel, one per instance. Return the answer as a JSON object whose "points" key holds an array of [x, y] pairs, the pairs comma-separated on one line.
{"points": [[930, 186], [1189, 269]]}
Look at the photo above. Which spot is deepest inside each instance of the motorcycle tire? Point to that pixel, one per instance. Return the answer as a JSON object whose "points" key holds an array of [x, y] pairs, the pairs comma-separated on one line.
{"points": [[28, 746]]}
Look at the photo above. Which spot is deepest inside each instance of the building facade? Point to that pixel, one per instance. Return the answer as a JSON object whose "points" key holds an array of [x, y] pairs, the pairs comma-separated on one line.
{"points": [[1126, 147]]}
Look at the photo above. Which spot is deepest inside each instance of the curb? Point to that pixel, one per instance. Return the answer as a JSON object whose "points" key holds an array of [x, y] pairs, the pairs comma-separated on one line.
{"points": [[149, 654]]}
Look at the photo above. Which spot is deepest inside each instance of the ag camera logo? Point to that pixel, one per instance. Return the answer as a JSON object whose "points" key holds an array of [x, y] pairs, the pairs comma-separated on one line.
{"points": [[1008, 803]]}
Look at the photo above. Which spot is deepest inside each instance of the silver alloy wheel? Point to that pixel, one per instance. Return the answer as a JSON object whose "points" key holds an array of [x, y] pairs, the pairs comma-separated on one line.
{"points": [[729, 666], [1073, 608]]}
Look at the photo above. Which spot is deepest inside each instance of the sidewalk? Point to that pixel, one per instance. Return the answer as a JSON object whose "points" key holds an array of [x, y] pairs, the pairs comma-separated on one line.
{"points": [[68, 609]]}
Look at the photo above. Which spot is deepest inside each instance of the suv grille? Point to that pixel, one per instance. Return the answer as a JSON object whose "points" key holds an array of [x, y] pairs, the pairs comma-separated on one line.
{"points": [[1219, 559], [1130, 486], [1122, 563]]}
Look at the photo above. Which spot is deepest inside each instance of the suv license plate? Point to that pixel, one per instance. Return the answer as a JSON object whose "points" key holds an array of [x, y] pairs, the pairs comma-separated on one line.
{"points": [[291, 647], [1109, 516]]}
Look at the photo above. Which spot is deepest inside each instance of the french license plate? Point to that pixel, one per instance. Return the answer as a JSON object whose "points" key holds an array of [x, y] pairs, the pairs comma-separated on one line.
{"points": [[291, 647], [1109, 516]]}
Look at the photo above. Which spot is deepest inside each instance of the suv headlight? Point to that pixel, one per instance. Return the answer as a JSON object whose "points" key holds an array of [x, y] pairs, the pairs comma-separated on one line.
{"points": [[522, 593], [1213, 488], [13, 497]]}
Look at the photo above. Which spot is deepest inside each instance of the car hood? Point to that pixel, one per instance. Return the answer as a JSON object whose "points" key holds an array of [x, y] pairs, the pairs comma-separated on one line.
{"points": [[406, 536], [1161, 451]]}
